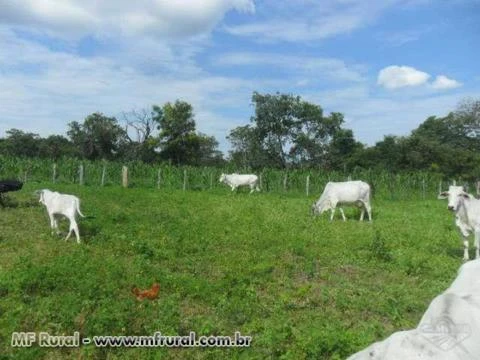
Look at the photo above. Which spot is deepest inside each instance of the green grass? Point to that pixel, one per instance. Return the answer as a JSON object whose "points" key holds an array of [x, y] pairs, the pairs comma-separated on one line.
{"points": [[302, 287]]}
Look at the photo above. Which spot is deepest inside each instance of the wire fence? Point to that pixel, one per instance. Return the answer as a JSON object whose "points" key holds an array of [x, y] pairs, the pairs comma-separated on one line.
{"points": [[394, 186]]}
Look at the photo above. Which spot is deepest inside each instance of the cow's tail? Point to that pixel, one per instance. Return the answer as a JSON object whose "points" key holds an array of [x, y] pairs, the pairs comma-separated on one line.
{"points": [[77, 207]]}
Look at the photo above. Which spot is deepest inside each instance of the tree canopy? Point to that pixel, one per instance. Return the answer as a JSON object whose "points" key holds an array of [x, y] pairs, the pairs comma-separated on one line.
{"points": [[285, 131]]}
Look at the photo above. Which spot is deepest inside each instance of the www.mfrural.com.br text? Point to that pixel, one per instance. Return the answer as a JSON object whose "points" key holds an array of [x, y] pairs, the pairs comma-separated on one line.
{"points": [[45, 339]]}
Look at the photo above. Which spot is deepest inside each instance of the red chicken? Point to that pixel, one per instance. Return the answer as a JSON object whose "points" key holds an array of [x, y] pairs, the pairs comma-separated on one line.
{"points": [[150, 294]]}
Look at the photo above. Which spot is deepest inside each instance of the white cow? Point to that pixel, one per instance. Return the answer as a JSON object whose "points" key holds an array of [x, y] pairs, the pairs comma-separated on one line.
{"points": [[61, 204], [236, 180], [447, 331], [344, 193], [467, 215]]}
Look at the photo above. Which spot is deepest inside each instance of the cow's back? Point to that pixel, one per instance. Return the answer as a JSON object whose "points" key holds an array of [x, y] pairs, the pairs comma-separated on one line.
{"points": [[347, 191], [242, 178]]}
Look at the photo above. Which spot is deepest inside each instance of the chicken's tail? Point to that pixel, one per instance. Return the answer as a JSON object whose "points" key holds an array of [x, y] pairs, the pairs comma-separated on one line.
{"points": [[135, 291]]}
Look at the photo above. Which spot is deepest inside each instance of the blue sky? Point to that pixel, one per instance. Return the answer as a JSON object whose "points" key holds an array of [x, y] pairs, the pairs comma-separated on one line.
{"points": [[386, 65]]}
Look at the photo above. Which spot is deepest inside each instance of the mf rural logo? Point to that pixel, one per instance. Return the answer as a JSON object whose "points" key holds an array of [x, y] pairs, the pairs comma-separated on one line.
{"points": [[444, 333]]}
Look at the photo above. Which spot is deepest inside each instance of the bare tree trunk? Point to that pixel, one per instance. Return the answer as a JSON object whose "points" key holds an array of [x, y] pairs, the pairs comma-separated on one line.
{"points": [[124, 176]]}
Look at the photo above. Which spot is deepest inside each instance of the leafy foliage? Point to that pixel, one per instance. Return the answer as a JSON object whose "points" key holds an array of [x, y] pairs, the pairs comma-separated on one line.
{"points": [[99, 137], [285, 132]]}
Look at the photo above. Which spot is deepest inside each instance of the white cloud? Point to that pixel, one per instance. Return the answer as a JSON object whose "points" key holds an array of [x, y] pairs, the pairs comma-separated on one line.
{"points": [[402, 37], [62, 87], [152, 51], [160, 18], [285, 20], [291, 30], [443, 83], [394, 77], [314, 67]]}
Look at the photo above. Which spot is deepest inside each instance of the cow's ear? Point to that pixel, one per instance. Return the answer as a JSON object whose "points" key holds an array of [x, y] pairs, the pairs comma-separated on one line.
{"points": [[465, 195], [443, 195]]}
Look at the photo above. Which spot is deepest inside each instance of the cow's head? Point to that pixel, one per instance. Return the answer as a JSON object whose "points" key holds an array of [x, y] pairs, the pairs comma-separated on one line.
{"points": [[320, 207], [454, 196], [222, 177], [41, 196]]}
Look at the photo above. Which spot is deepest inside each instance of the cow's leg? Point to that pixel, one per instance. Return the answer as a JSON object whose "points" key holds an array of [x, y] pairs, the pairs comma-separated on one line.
{"points": [[333, 213], [465, 248], [465, 233], [55, 225], [477, 244], [70, 230], [52, 222], [252, 188], [74, 225], [73, 228], [362, 213], [368, 208], [343, 214], [233, 188]]}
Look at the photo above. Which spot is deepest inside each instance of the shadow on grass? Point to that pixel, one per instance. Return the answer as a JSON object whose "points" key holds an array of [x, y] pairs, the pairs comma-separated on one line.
{"points": [[457, 252], [12, 203]]}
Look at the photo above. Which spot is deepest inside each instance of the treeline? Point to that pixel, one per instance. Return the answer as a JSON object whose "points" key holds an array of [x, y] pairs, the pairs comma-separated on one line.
{"points": [[285, 132], [163, 134]]}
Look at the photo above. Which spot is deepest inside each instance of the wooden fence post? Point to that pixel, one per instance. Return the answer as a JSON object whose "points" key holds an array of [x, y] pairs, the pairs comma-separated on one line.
{"points": [[104, 170], [260, 181], [124, 176], [423, 188], [440, 187], [211, 180], [285, 182], [307, 187], [184, 179], [54, 176], [80, 174], [159, 178]]}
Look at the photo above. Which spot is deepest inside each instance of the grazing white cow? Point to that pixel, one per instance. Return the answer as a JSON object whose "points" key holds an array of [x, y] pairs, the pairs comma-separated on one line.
{"points": [[61, 204], [447, 331], [467, 215], [344, 193], [236, 180]]}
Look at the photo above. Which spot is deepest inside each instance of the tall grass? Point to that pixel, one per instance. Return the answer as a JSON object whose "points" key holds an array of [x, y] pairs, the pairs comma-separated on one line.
{"points": [[400, 186], [302, 287]]}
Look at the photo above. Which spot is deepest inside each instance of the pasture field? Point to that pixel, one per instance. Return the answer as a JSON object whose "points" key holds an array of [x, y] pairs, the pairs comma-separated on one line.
{"points": [[302, 287]]}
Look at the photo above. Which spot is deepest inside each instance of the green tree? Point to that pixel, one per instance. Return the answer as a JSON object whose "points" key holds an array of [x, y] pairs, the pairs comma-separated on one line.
{"points": [[179, 142], [247, 151], [286, 131], [20, 143], [467, 114], [99, 137], [449, 145], [208, 153], [56, 146], [342, 150]]}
